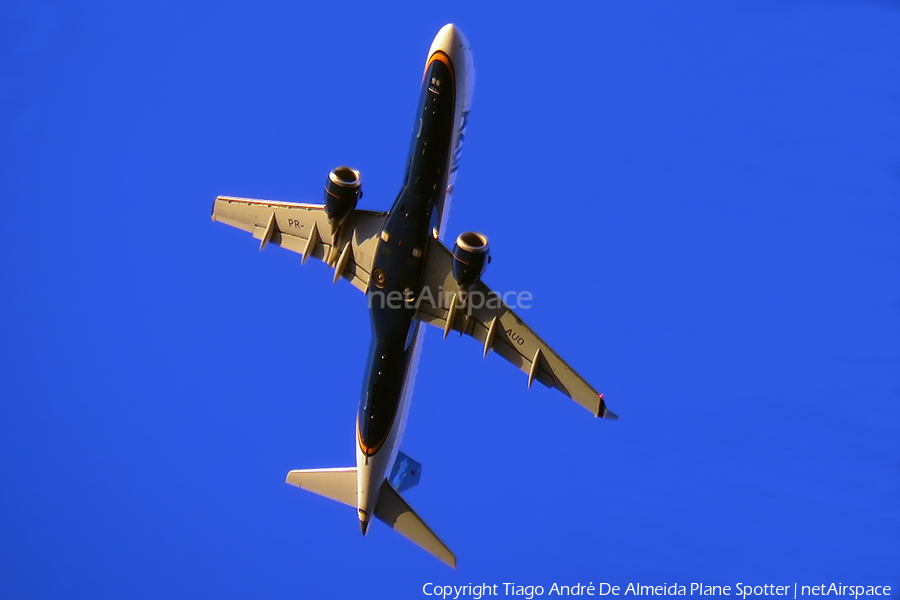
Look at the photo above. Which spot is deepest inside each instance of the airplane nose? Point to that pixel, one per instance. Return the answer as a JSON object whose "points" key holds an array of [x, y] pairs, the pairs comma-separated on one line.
{"points": [[448, 30], [450, 39]]}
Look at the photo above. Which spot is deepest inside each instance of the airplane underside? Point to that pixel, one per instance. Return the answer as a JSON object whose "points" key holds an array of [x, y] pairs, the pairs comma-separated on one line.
{"points": [[399, 254]]}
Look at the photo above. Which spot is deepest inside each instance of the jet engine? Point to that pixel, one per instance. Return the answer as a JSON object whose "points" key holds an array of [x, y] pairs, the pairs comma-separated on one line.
{"points": [[470, 257], [342, 191]]}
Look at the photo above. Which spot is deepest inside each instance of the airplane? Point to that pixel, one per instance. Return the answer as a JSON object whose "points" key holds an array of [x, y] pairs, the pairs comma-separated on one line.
{"points": [[399, 255]]}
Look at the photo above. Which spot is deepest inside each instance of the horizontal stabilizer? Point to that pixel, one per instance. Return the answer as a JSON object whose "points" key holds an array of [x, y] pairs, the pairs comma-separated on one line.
{"points": [[394, 512], [337, 484]]}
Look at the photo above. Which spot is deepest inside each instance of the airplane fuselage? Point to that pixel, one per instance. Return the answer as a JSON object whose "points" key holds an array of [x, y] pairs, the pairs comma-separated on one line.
{"points": [[418, 212], [398, 259]]}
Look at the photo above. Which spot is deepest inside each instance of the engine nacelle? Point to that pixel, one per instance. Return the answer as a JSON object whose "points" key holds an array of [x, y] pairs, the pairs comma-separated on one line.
{"points": [[342, 191], [470, 257]]}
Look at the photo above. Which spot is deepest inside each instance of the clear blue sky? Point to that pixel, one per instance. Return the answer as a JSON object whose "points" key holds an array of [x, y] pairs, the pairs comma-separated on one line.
{"points": [[701, 196]]}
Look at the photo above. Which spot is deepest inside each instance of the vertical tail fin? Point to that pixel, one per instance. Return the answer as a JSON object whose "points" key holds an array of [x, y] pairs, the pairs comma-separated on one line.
{"points": [[394, 512], [405, 474]]}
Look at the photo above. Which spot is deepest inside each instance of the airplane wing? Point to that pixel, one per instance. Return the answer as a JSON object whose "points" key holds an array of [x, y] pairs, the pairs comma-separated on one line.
{"points": [[304, 228], [499, 329]]}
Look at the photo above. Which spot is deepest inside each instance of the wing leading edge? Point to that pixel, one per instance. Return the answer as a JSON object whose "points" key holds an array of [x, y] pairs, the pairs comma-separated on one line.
{"points": [[498, 328]]}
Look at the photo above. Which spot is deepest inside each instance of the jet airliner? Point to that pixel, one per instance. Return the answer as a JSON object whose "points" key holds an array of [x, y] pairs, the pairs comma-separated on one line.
{"points": [[397, 259]]}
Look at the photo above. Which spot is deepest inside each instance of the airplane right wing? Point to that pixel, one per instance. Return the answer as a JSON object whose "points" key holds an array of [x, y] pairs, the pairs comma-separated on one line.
{"points": [[304, 229], [498, 328]]}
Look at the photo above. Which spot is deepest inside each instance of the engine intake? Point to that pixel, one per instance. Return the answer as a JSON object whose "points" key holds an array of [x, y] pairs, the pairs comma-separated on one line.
{"points": [[470, 257], [342, 191]]}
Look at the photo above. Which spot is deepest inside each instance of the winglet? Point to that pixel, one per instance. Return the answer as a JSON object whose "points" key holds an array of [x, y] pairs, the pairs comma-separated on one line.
{"points": [[604, 412]]}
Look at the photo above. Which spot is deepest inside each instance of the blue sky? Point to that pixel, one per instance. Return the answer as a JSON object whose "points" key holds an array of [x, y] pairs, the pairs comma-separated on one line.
{"points": [[702, 198]]}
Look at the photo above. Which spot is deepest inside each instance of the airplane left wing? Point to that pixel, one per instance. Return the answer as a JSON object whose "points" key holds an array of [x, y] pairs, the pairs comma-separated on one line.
{"points": [[304, 229], [498, 328]]}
